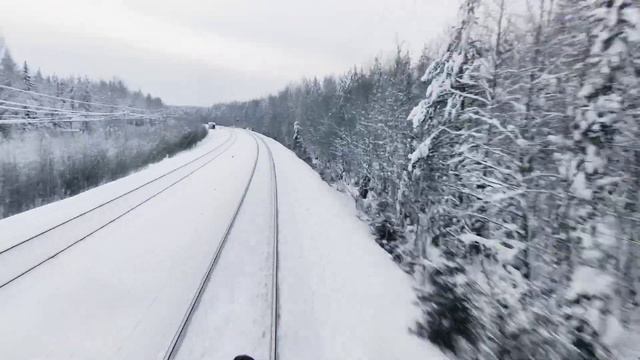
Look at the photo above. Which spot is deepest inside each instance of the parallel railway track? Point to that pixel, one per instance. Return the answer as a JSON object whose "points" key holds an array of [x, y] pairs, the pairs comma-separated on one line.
{"points": [[32, 266]]}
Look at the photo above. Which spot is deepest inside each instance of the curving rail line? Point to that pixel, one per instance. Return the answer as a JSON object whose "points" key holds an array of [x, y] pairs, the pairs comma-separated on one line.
{"points": [[179, 335]]}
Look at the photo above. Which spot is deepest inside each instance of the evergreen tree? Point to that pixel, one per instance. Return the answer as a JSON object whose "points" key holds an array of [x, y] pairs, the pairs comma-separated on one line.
{"points": [[298, 143], [26, 77], [8, 68]]}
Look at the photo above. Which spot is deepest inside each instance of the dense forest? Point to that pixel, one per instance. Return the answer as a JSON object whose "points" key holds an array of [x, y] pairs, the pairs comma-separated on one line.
{"points": [[501, 170], [62, 136]]}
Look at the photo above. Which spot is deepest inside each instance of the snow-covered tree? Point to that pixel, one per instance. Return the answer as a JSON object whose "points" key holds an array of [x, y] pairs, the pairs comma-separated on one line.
{"points": [[298, 143], [9, 71], [598, 175], [26, 77]]}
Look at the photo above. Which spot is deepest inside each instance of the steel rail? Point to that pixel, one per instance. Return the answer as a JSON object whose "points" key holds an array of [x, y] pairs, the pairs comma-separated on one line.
{"points": [[275, 299]]}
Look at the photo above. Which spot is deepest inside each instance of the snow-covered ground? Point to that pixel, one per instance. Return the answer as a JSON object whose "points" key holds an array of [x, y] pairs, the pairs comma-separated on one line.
{"points": [[122, 292], [342, 296]]}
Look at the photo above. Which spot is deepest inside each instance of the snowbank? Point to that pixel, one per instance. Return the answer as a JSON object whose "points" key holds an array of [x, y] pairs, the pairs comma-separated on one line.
{"points": [[342, 297]]}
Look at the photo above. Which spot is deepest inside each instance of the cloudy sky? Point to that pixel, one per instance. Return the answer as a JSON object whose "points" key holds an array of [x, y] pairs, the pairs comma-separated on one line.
{"points": [[197, 52]]}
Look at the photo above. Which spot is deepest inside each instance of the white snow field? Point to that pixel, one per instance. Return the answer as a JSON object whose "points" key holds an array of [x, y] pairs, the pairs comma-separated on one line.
{"points": [[122, 291]]}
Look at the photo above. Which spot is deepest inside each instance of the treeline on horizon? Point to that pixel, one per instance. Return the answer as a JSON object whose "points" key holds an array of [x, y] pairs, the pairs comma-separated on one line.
{"points": [[80, 91], [502, 172], [62, 136]]}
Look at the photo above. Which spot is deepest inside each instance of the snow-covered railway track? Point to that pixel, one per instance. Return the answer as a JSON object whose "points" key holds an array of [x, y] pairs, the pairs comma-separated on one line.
{"points": [[238, 275], [181, 332], [14, 265]]}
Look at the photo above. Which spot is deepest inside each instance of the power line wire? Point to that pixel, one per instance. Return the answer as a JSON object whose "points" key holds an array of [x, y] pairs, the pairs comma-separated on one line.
{"points": [[68, 99]]}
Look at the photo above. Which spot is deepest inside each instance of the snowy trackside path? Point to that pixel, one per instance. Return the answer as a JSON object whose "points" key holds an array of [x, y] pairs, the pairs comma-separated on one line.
{"points": [[341, 295], [123, 291]]}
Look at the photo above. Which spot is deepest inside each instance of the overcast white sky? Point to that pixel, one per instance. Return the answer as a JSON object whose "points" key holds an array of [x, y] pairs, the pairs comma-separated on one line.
{"points": [[197, 52]]}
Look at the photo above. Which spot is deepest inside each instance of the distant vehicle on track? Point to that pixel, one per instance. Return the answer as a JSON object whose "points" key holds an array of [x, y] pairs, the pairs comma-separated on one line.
{"points": [[211, 125]]}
